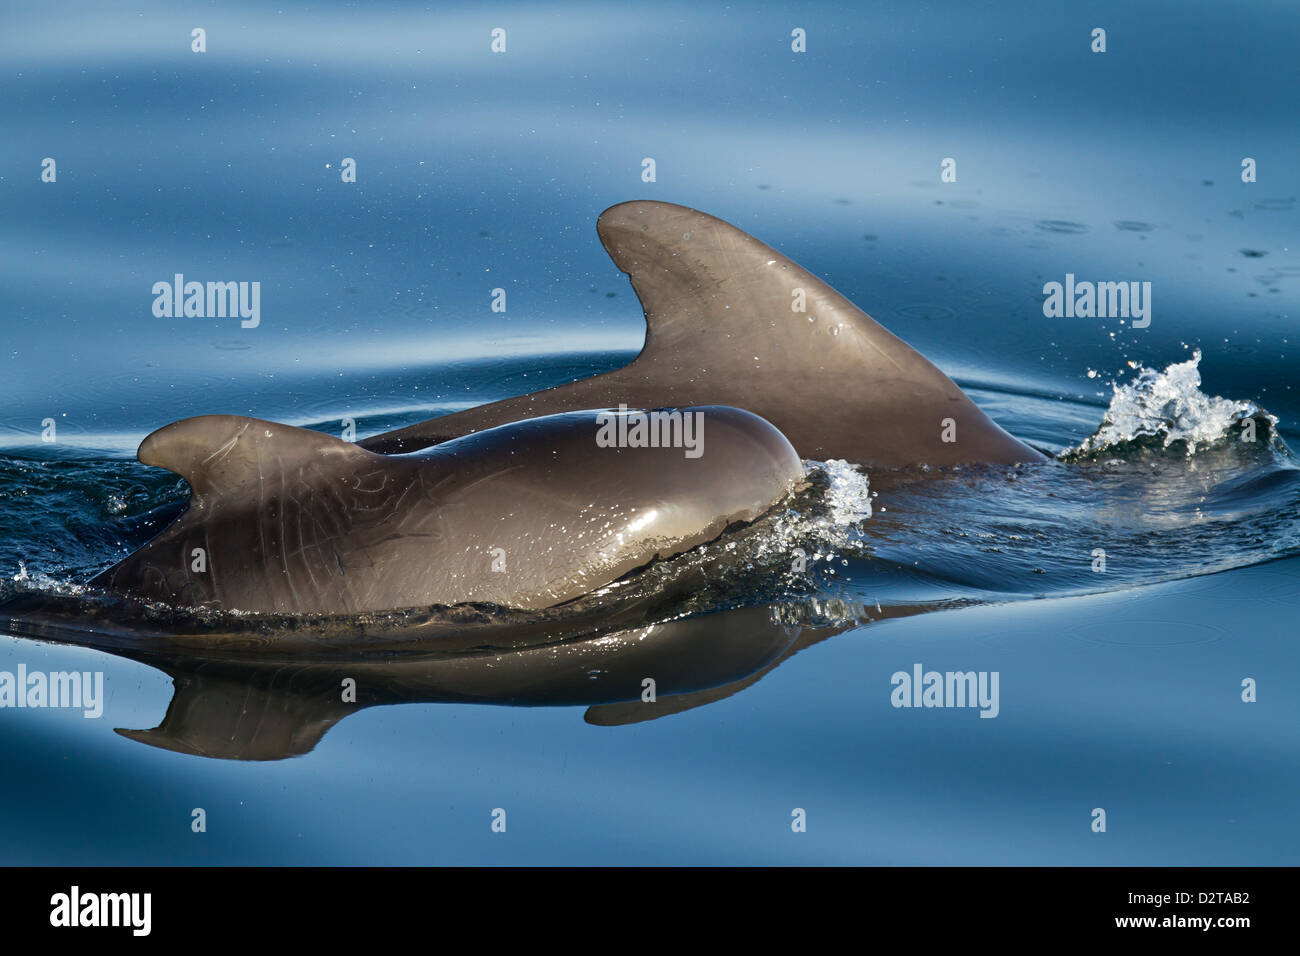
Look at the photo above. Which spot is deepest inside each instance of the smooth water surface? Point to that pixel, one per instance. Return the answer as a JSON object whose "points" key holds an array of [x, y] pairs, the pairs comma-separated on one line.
{"points": [[1118, 689]]}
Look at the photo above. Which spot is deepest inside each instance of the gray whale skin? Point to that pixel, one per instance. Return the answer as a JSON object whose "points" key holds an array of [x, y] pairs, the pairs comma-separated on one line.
{"points": [[512, 503], [527, 515], [721, 330]]}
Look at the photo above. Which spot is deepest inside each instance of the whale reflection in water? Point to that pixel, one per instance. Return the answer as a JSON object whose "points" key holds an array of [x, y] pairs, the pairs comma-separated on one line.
{"points": [[239, 703]]}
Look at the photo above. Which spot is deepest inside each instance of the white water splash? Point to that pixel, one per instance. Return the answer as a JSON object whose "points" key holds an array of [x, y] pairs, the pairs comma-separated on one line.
{"points": [[849, 496], [1168, 406], [819, 530]]}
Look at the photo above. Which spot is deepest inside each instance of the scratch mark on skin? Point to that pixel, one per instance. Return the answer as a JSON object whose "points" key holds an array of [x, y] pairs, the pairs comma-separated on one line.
{"points": [[360, 482], [284, 542], [333, 517], [370, 502], [395, 504], [225, 449], [299, 513], [487, 477]]}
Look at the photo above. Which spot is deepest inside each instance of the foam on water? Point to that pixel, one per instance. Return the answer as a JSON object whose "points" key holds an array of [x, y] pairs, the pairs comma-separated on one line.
{"points": [[1170, 409], [828, 517]]}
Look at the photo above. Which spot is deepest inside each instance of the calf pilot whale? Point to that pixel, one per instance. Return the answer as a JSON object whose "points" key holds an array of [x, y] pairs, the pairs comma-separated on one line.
{"points": [[722, 328], [527, 515]]}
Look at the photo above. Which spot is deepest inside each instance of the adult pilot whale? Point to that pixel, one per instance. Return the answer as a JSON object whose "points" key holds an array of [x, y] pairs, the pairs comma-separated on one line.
{"points": [[721, 328], [528, 515]]}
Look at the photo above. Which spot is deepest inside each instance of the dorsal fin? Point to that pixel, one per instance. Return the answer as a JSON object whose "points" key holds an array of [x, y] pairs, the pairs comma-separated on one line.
{"points": [[721, 328], [710, 290], [218, 453]]}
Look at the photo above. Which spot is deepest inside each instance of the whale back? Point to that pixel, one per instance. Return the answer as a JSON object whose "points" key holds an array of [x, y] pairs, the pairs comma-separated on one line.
{"points": [[529, 515]]}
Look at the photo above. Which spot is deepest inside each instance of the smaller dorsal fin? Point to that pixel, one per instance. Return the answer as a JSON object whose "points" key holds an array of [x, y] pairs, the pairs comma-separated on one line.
{"points": [[217, 453]]}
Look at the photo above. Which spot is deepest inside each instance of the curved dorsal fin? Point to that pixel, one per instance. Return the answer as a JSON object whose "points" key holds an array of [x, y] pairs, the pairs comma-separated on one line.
{"points": [[721, 329], [218, 453], [712, 291]]}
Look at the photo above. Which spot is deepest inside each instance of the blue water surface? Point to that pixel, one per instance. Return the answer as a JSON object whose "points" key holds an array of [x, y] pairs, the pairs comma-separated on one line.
{"points": [[479, 170]]}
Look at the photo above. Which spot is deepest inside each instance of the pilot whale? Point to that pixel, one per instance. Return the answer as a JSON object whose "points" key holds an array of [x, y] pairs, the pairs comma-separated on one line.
{"points": [[527, 515], [515, 503], [722, 328]]}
